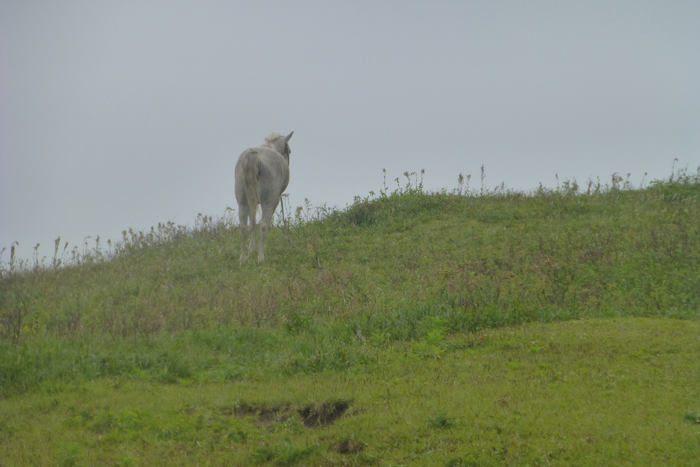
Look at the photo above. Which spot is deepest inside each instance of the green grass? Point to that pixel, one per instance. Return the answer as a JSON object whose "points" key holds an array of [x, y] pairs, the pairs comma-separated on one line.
{"points": [[557, 327], [584, 392]]}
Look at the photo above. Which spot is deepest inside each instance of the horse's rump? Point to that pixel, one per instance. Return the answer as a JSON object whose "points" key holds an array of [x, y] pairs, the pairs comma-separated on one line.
{"points": [[249, 165]]}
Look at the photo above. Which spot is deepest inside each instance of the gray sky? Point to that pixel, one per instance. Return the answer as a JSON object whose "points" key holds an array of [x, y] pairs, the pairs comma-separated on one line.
{"points": [[128, 113]]}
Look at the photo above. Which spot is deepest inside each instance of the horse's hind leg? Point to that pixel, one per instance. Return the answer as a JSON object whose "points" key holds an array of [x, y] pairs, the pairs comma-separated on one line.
{"points": [[243, 215], [251, 243], [243, 225], [265, 221]]}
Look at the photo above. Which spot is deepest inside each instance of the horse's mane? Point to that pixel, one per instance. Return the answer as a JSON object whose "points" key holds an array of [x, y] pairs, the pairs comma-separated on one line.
{"points": [[271, 138]]}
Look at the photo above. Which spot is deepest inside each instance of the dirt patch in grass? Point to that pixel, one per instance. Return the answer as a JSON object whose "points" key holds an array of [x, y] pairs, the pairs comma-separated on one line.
{"points": [[322, 415], [311, 415], [350, 447]]}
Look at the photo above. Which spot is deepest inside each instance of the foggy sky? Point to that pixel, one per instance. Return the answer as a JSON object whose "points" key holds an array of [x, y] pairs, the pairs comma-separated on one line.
{"points": [[129, 113]]}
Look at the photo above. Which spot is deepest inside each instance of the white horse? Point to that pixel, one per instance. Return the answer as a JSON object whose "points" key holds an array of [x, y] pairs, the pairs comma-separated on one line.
{"points": [[262, 175]]}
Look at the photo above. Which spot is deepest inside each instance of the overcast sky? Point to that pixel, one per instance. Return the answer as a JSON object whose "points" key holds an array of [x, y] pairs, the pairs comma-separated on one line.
{"points": [[118, 114]]}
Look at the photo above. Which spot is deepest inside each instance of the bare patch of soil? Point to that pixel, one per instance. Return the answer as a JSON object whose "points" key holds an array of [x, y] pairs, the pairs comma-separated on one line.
{"points": [[312, 415], [350, 447], [325, 414]]}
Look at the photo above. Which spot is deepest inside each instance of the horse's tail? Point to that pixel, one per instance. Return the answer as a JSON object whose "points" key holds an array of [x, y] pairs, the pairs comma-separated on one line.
{"points": [[250, 181]]}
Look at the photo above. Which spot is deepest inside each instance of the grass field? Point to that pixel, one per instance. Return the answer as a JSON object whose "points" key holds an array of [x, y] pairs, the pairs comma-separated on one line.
{"points": [[463, 328]]}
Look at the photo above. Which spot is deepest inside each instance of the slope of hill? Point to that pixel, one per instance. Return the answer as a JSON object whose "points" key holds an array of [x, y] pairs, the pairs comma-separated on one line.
{"points": [[475, 260]]}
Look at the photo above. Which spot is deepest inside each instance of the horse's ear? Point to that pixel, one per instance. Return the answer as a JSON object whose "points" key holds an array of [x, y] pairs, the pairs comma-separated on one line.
{"points": [[288, 137]]}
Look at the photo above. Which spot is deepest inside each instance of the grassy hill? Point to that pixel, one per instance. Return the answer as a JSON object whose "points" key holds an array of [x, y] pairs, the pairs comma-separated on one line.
{"points": [[471, 327]]}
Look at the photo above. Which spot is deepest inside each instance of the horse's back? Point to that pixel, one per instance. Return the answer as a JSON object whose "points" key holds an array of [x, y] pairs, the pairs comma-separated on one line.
{"points": [[273, 172]]}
